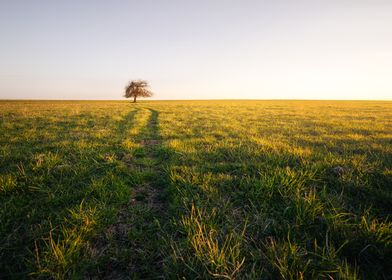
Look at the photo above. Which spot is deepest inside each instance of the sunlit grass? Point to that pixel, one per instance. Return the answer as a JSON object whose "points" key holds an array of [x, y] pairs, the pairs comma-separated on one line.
{"points": [[196, 189]]}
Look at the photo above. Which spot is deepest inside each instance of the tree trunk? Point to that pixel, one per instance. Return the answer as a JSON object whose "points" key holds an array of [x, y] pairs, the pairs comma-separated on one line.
{"points": [[134, 99]]}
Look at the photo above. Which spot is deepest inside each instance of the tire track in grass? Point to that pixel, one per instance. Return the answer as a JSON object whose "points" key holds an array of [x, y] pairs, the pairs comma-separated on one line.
{"points": [[135, 246]]}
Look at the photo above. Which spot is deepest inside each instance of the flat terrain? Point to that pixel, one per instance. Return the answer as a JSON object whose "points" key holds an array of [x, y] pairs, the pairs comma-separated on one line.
{"points": [[196, 189]]}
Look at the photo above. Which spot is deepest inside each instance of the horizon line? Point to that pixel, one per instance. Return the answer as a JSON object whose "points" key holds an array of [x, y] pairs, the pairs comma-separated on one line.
{"points": [[220, 99]]}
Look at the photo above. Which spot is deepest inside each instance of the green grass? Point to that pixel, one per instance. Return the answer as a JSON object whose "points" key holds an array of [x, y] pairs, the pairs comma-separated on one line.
{"points": [[196, 189]]}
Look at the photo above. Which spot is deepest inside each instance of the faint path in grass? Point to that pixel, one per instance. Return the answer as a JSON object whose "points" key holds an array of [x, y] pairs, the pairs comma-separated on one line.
{"points": [[133, 246], [127, 123]]}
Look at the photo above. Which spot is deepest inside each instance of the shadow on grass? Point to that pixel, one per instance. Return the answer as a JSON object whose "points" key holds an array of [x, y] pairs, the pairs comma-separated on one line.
{"points": [[133, 246], [132, 208]]}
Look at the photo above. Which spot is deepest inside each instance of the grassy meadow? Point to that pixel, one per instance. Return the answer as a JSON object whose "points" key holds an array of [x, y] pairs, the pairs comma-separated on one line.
{"points": [[196, 190]]}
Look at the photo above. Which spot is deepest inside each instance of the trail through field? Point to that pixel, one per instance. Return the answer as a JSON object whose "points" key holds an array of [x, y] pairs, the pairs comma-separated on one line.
{"points": [[195, 190], [134, 243]]}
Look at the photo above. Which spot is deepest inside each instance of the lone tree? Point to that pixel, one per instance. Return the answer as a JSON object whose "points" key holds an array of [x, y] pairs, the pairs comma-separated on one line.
{"points": [[137, 88]]}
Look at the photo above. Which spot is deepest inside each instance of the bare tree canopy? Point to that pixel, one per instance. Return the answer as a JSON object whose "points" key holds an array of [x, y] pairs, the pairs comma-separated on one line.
{"points": [[137, 88]]}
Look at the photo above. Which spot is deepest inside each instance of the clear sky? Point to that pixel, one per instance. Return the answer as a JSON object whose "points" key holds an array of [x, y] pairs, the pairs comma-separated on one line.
{"points": [[197, 49]]}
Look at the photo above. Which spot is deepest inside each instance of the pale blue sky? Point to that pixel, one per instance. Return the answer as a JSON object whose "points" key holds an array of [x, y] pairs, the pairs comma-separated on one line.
{"points": [[316, 49]]}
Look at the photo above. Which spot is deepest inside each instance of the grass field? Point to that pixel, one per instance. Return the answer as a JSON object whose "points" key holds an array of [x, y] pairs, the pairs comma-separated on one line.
{"points": [[196, 190]]}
